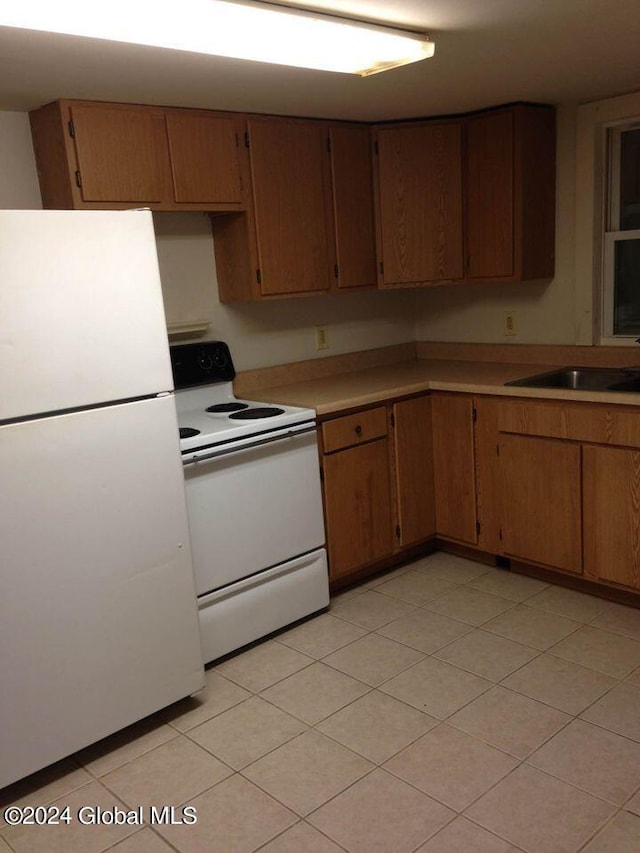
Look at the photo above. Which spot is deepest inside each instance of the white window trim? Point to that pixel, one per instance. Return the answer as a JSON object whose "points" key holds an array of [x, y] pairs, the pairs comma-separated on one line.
{"points": [[592, 121]]}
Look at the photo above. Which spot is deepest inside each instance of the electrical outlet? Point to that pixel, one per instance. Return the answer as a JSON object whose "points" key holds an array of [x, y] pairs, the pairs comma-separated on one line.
{"points": [[322, 337], [509, 325]]}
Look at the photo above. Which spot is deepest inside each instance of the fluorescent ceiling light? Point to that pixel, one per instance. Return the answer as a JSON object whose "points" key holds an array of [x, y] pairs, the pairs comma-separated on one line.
{"points": [[255, 31]]}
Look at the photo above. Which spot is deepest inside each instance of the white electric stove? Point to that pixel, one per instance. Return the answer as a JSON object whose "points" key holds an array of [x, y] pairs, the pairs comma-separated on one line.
{"points": [[254, 501]]}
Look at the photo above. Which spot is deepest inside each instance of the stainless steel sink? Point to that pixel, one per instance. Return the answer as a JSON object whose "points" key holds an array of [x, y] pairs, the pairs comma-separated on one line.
{"points": [[631, 385], [584, 379]]}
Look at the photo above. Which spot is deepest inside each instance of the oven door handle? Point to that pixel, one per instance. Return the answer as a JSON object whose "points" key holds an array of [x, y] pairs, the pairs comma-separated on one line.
{"points": [[229, 451]]}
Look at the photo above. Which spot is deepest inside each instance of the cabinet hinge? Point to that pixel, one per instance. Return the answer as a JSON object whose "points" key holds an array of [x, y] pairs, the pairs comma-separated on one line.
{"points": [[397, 531], [393, 419], [474, 414], [258, 276], [477, 528], [72, 130], [336, 270], [247, 143], [78, 179]]}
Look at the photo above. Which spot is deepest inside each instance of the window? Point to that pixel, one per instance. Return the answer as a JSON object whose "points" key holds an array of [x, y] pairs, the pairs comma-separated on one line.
{"points": [[621, 255]]}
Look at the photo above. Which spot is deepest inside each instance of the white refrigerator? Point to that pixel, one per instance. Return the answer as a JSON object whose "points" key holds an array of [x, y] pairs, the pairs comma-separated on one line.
{"points": [[98, 619]]}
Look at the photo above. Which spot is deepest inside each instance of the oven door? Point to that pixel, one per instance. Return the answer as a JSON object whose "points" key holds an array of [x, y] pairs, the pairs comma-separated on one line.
{"points": [[253, 507]]}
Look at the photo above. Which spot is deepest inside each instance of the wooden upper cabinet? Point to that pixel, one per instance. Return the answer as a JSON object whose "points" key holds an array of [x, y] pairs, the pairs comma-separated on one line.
{"points": [[290, 178], [490, 195], [420, 203], [121, 154], [109, 156], [204, 157], [510, 194], [352, 184]]}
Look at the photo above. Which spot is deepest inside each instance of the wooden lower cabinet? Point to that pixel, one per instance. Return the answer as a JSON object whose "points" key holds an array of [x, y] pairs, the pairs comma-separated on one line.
{"points": [[357, 492], [468, 492], [611, 512], [378, 483], [570, 477], [541, 521], [454, 467], [552, 484], [413, 456]]}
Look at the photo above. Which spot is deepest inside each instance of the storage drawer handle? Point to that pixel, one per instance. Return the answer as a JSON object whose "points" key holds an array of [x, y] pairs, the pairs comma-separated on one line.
{"points": [[358, 430]]}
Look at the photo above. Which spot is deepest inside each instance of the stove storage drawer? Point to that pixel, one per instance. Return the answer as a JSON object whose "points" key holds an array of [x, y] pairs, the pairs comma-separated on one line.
{"points": [[350, 430]]}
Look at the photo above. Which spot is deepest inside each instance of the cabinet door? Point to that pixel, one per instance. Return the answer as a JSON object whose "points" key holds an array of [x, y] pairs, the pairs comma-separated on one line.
{"points": [[454, 467], [490, 226], [204, 158], [510, 173], [612, 514], [122, 154], [357, 506], [488, 485], [351, 169], [541, 482], [414, 470], [291, 182], [420, 203]]}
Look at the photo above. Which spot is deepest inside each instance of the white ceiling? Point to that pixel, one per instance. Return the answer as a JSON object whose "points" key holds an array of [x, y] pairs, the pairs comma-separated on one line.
{"points": [[487, 52]]}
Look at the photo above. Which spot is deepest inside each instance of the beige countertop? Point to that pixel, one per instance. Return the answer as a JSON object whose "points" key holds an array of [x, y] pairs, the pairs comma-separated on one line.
{"points": [[333, 394]]}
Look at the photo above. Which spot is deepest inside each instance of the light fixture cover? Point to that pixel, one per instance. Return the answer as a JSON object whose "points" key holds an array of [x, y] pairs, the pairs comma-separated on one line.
{"points": [[241, 30]]}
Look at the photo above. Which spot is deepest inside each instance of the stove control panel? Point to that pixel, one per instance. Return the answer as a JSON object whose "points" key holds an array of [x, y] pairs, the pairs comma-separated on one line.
{"points": [[201, 364]]}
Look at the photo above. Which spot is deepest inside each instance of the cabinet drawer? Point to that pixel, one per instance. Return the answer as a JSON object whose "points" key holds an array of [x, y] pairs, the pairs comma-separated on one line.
{"points": [[573, 421], [354, 429]]}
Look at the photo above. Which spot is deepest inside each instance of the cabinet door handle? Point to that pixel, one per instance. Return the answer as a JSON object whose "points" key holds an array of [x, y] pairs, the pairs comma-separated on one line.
{"points": [[358, 430]]}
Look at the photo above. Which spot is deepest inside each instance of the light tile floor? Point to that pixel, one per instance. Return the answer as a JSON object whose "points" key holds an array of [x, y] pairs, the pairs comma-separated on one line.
{"points": [[444, 707]]}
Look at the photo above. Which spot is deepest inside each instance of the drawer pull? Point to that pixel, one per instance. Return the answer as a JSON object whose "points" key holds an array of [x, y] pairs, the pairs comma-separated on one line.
{"points": [[358, 430]]}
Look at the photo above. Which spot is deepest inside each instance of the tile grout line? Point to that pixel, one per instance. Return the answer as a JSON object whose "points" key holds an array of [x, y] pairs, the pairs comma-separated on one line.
{"points": [[187, 733]]}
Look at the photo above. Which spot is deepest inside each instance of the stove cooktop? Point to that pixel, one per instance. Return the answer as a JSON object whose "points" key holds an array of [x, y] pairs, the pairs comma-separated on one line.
{"points": [[209, 413], [231, 418]]}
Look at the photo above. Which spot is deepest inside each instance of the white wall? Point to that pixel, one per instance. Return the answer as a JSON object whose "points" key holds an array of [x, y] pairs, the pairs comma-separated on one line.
{"points": [[546, 311], [18, 178], [268, 333]]}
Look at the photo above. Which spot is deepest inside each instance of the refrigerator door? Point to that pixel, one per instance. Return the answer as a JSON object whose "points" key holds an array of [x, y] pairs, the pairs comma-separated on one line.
{"points": [[98, 619], [81, 307]]}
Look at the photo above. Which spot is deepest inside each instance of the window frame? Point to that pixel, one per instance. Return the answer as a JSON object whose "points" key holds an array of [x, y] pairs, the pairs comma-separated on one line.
{"points": [[611, 236], [589, 169]]}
